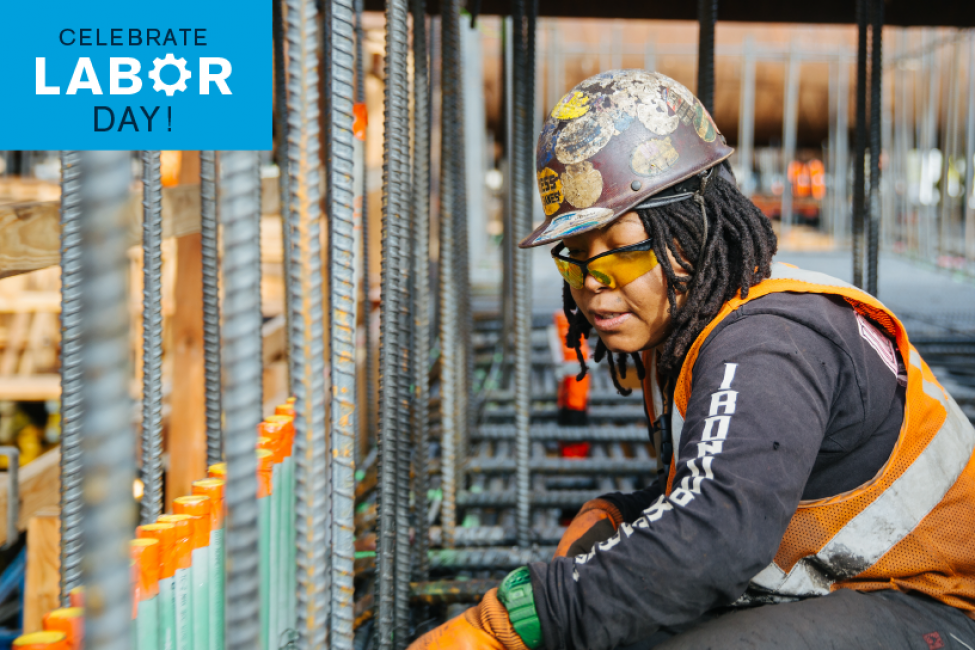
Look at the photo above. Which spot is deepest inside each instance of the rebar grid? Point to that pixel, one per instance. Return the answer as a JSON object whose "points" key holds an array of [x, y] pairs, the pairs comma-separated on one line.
{"points": [[860, 211], [421, 278], [107, 441], [523, 71], [211, 303], [71, 374], [876, 79], [151, 505], [307, 329], [707, 16], [240, 217], [342, 321], [393, 383]]}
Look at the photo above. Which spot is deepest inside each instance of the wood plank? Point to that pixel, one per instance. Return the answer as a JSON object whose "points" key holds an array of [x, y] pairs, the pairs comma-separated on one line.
{"points": [[33, 388], [31, 301], [40, 488], [42, 583], [16, 338]]}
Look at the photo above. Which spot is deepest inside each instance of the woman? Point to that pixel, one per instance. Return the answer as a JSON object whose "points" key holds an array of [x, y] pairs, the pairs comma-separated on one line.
{"points": [[820, 484]]}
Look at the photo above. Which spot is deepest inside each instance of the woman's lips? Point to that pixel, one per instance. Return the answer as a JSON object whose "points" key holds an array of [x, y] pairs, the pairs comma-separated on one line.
{"points": [[609, 321]]}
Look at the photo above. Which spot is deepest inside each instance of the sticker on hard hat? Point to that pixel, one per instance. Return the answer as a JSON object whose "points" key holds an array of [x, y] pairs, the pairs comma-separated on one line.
{"points": [[550, 189], [572, 222], [546, 144], [653, 156], [573, 105], [583, 184], [584, 138]]}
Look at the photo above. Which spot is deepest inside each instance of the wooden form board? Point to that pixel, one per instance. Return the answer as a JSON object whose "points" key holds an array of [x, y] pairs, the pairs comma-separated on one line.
{"points": [[42, 582], [40, 488]]}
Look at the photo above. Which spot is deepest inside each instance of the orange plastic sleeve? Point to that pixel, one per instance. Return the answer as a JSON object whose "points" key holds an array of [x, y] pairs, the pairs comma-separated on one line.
{"points": [[361, 120], [165, 534], [273, 445], [285, 409], [217, 470], [265, 460], [145, 553], [197, 507], [212, 488], [183, 543], [287, 425], [68, 620]]}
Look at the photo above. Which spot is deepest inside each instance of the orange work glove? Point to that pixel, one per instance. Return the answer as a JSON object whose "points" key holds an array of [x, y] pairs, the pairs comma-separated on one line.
{"points": [[483, 627], [597, 521]]}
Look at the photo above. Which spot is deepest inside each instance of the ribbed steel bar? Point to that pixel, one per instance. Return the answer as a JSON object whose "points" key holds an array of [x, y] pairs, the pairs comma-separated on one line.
{"points": [[421, 276], [71, 373], [555, 432], [107, 440], [450, 379], [499, 536], [876, 80], [240, 217], [489, 559], [707, 16], [211, 303], [342, 319], [565, 466], [508, 498], [860, 144], [523, 34], [307, 330], [281, 158], [151, 505]]}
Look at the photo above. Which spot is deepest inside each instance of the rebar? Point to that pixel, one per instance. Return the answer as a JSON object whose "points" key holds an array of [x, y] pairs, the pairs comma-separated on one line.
{"points": [[568, 466], [211, 303], [603, 433], [342, 320], [859, 159], [240, 217], [707, 16], [151, 505], [306, 338], [969, 185], [281, 158], [523, 64], [508, 498], [107, 441], [876, 79], [393, 422], [72, 382]]}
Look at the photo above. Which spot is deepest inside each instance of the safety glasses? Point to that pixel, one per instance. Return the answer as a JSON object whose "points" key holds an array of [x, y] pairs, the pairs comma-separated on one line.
{"points": [[615, 268]]}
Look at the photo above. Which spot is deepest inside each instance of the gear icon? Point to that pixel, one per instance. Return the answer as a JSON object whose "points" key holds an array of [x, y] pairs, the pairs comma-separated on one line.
{"points": [[184, 74]]}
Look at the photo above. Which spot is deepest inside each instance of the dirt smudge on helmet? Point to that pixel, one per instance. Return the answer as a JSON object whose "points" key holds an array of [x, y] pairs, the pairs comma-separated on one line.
{"points": [[583, 184]]}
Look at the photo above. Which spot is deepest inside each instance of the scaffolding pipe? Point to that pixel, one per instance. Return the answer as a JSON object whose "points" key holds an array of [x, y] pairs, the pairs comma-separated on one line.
{"points": [[707, 16], [151, 505], [108, 462], [72, 381], [211, 304], [342, 321], [242, 375], [523, 75], [876, 105], [860, 213]]}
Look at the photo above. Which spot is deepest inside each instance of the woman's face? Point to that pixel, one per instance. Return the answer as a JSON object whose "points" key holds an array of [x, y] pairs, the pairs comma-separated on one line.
{"points": [[635, 316]]}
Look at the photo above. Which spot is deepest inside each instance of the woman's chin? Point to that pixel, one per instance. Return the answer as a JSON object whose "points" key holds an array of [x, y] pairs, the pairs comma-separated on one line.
{"points": [[620, 342]]}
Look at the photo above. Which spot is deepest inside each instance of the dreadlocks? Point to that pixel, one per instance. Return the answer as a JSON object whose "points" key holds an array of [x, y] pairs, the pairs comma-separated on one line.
{"points": [[738, 255]]}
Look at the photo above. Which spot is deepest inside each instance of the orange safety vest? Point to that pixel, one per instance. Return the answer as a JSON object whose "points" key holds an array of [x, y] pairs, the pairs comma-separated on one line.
{"points": [[909, 528]]}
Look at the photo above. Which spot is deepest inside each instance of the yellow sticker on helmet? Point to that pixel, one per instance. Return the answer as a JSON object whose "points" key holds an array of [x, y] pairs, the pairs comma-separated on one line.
{"points": [[573, 105], [550, 189]]}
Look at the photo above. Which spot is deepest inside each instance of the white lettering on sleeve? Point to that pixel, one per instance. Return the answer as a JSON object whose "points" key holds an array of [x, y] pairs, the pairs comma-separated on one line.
{"points": [[723, 399]]}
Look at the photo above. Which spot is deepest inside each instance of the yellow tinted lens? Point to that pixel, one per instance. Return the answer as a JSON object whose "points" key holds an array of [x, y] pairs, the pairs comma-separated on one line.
{"points": [[620, 269], [571, 272]]}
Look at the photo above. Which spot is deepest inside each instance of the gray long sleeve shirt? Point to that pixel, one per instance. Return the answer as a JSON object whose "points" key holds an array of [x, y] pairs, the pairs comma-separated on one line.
{"points": [[794, 396]]}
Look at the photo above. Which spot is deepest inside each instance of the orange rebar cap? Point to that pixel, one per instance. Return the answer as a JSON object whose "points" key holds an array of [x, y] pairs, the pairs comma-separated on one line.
{"points": [[47, 640], [265, 461], [145, 554], [198, 507], [273, 445], [76, 597], [217, 470], [70, 621], [183, 541], [212, 488], [288, 408], [284, 426], [165, 534]]}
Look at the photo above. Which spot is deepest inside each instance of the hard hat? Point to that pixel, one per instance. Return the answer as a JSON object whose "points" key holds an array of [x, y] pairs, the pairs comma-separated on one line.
{"points": [[613, 142]]}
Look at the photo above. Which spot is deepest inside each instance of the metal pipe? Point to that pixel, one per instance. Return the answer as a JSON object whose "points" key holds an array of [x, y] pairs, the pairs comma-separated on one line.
{"points": [[790, 121], [746, 120], [151, 505], [876, 80], [242, 375], [969, 194], [108, 462], [342, 320], [211, 304], [707, 16], [72, 382], [860, 212], [842, 221]]}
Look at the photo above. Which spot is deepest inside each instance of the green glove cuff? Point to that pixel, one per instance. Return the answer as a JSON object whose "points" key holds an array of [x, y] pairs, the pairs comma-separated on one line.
{"points": [[515, 593]]}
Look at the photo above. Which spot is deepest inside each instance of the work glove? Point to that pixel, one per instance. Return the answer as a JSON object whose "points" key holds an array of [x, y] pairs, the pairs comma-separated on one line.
{"points": [[596, 522], [483, 627]]}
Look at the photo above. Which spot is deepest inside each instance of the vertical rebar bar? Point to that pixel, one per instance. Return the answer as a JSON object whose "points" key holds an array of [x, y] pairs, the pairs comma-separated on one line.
{"points": [[969, 185], [876, 79], [859, 158], [107, 440], [307, 335], [790, 123], [281, 158], [240, 217], [71, 374], [707, 16], [842, 221], [421, 279], [746, 119], [151, 505], [342, 320], [211, 303], [523, 73]]}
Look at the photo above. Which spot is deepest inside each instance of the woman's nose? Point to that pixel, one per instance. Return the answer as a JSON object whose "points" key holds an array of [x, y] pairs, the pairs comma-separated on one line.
{"points": [[592, 284]]}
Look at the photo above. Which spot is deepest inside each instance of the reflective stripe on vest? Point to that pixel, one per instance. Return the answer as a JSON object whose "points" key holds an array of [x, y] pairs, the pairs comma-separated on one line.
{"points": [[869, 538]]}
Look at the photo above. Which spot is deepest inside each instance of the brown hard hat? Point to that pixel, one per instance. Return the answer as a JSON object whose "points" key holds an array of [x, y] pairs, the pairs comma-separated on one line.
{"points": [[615, 140]]}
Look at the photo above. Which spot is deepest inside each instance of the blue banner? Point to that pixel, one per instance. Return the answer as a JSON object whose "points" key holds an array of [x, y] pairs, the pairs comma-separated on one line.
{"points": [[114, 75]]}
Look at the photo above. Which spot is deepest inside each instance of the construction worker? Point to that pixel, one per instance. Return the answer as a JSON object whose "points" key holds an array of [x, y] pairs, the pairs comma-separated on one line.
{"points": [[820, 490]]}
